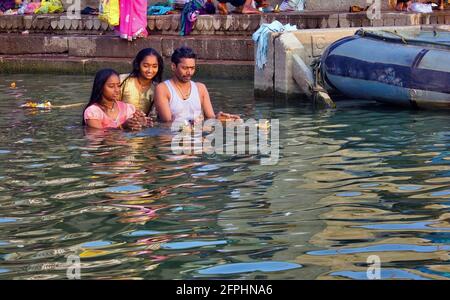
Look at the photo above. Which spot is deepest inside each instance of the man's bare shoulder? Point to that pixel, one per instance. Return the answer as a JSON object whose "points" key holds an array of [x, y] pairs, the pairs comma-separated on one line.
{"points": [[161, 87], [201, 86]]}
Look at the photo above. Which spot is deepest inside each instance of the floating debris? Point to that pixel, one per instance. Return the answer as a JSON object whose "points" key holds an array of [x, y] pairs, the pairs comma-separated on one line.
{"points": [[44, 105]]}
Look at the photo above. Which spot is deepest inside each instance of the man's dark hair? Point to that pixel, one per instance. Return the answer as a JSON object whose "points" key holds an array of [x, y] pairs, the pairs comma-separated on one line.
{"points": [[182, 52]]}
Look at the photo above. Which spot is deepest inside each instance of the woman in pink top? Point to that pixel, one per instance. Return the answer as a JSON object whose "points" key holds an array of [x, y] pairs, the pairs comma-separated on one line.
{"points": [[104, 109]]}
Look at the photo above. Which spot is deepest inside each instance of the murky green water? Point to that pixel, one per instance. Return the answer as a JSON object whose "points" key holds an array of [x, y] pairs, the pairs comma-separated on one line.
{"points": [[357, 181]]}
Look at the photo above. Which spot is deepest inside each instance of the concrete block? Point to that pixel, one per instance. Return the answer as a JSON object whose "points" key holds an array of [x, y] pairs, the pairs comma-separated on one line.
{"points": [[316, 41], [302, 75], [285, 46], [319, 44], [264, 78]]}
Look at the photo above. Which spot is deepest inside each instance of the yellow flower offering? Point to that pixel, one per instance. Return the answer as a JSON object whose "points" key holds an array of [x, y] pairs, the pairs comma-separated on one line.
{"points": [[45, 105]]}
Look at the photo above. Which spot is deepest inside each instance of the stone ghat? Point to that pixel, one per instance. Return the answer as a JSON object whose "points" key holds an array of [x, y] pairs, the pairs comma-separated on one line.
{"points": [[64, 64], [207, 47], [232, 24], [57, 44]]}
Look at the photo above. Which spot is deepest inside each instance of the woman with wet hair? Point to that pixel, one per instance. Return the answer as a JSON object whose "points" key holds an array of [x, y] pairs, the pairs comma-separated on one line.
{"points": [[138, 86], [105, 110]]}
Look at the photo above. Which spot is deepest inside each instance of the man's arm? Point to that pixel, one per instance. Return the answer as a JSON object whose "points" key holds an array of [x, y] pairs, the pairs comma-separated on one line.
{"points": [[207, 108], [162, 98]]}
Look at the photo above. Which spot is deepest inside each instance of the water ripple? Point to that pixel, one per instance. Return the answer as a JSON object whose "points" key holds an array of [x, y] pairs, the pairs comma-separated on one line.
{"points": [[236, 268], [360, 180]]}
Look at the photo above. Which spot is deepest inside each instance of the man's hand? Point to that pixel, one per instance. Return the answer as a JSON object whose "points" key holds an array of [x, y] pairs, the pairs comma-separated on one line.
{"points": [[221, 116]]}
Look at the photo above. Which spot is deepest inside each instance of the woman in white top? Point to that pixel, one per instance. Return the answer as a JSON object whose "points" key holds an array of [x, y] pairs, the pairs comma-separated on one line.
{"points": [[180, 99]]}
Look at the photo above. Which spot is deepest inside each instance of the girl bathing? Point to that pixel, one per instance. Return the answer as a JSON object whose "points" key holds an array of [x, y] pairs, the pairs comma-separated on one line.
{"points": [[105, 110]]}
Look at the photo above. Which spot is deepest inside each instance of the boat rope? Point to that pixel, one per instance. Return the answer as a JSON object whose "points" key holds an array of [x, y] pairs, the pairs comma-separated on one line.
{"points": [[319, 93], [318, 80], [364, 33], [395, 37], [402, 38]]}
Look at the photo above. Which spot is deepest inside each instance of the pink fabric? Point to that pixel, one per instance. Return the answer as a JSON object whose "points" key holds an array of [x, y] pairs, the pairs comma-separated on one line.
{"points": [[31, 7], [94, 112], [133, 19]]}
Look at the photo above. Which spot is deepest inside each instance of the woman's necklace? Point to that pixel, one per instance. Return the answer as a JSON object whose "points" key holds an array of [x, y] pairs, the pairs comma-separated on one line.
{"points": [[143, 87], [109, 109], [181, 92]]}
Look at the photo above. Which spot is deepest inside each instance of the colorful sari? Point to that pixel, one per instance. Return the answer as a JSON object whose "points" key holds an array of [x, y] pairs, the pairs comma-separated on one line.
{"points": [[7, 4], [133, 19]]}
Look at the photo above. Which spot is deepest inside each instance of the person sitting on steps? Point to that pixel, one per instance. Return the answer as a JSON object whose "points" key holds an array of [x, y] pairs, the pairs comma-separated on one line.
{"points": [[242, 7], [402, 5]]}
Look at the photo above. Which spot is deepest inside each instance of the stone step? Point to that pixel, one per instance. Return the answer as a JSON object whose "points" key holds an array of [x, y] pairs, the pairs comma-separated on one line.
{"points": [[207, 47], [65, 64]]}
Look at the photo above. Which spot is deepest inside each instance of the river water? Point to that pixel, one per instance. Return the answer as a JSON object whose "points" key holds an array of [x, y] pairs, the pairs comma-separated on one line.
{"points": [[357, 186]]}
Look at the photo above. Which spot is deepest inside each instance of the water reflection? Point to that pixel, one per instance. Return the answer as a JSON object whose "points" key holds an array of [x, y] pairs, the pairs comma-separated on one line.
{"points": [[357, 181], [385, 205]]}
